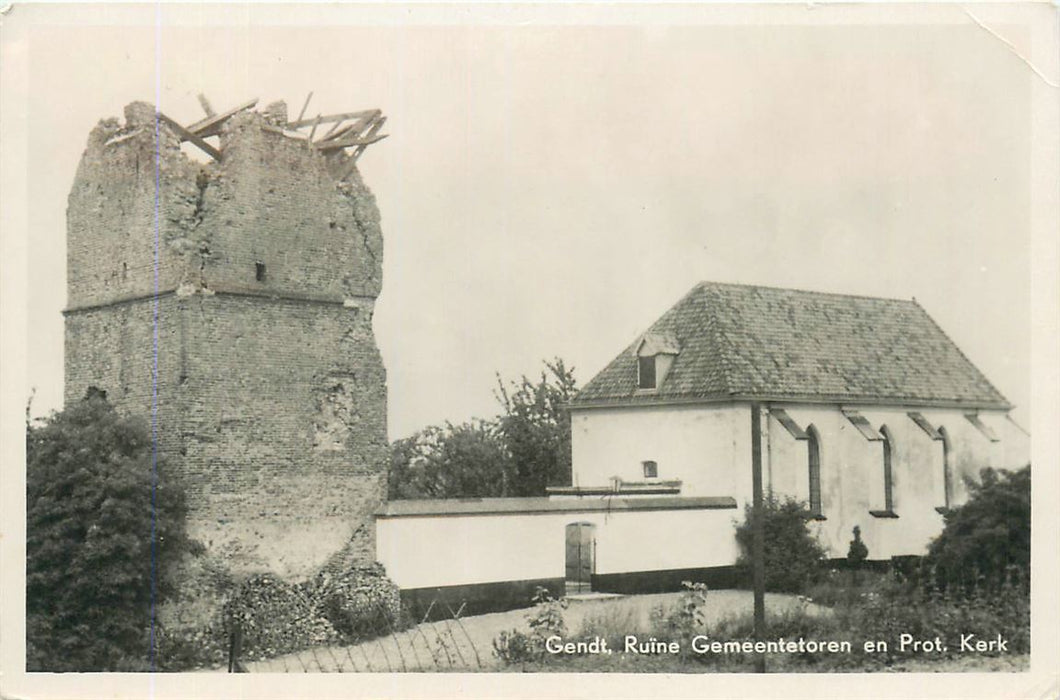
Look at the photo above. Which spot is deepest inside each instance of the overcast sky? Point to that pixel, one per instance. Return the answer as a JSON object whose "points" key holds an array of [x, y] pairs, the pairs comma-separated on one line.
{"points": [[550, 189]]}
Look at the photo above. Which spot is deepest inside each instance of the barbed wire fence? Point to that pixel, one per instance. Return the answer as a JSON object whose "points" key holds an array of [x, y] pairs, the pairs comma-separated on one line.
{"points": [[440, 641]]}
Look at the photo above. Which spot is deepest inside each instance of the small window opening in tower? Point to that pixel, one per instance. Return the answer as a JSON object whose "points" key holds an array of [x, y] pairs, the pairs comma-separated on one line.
{"points": [[259, 271]]}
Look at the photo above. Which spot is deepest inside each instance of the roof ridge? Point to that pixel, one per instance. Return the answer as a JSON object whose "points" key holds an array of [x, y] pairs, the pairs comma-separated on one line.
{"points": [[709, 283]]}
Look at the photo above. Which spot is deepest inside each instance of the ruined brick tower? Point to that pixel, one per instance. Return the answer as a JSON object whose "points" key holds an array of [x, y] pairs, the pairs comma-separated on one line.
{"points": [[235, 298]]}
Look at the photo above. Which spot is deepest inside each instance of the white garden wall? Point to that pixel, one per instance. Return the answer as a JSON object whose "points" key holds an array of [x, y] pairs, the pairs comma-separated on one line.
{"points": [[461, 548]]}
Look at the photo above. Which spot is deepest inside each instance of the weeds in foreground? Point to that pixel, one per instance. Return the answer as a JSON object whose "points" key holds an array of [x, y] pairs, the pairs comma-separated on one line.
{"points": [[878, 607], [545, 620], [612, 623]]}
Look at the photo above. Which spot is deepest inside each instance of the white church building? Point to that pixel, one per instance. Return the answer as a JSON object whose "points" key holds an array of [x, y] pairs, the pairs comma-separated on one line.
{"points": [[869, 413]]}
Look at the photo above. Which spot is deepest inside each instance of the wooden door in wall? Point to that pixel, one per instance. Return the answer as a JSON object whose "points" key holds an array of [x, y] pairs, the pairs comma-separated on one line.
{"points": [[581, 550]]}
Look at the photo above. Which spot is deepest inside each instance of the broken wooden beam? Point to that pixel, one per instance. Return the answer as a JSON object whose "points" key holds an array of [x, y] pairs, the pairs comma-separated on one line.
{"points": [[305, 106], [334, 132], [211, 125], [370, 134], [346, 143], [357, 127], [286, 132], [330, 118], [331, 131], [186, 135], [314, 129], [206, 105]]}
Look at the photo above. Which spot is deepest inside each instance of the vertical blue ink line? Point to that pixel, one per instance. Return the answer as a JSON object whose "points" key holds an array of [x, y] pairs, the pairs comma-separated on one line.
{"points": [[154, 365]]}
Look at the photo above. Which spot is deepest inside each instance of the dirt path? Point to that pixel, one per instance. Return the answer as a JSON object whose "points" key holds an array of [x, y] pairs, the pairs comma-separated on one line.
{"points": [[467, 644]]}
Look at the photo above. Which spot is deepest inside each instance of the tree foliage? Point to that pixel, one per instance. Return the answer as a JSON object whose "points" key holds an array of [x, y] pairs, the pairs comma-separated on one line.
{"points": [[467, 461], [536, 429], [792, 554], [103, 528], [989, 537], [517, 453]]}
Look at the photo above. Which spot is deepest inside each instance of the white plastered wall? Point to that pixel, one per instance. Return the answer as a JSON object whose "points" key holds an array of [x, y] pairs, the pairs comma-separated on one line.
{"points": [[707, 447], [852, 472], [446, 550]]}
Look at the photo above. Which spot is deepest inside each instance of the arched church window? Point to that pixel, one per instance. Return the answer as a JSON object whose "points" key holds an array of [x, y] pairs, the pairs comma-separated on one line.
{"points": [[888, 469], [813, 449], [947, 469]]}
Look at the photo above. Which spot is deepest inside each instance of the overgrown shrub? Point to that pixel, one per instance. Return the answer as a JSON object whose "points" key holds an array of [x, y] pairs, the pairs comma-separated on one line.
{"points": [[892, 608], [360, 603], [275, 617], [792, 555], [988, 539], [104, 524], [186, 648]]}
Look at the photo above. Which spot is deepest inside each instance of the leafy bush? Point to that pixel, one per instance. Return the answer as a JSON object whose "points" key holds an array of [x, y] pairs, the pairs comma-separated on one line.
{"points": [[514, 647], [275, 617], [545, 620], [792, 554], [688, 618], [104, 526], [546, 617], [987, 539], [360, 603]]}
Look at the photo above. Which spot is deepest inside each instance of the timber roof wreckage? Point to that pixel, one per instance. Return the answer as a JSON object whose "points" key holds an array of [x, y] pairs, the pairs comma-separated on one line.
{"points": [[353, 130], [733, 342]]}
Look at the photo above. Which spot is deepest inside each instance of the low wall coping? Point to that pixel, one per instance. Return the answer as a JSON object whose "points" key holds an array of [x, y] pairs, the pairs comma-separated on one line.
{"points": [[540, 505]]}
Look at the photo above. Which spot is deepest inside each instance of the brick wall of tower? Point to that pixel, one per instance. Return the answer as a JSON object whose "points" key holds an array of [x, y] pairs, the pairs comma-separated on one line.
{"points": [[271, 393]]}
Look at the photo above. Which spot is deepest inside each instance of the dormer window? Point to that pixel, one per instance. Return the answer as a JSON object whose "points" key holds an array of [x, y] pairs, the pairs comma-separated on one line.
{"points": [[651, 469], [646, 372], [655, 356]]}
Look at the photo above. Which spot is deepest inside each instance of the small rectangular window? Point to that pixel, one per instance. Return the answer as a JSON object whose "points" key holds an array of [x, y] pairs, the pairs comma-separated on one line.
{"points": [[259, 271], [651, 469], [646, 372]]}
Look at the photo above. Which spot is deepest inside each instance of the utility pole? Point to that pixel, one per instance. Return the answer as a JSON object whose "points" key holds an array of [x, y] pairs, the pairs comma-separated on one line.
{"points": [[758, 535]]}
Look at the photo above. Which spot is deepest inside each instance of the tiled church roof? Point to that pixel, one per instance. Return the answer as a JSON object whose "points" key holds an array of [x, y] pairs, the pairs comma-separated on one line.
{"points": [[741, 341]]}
